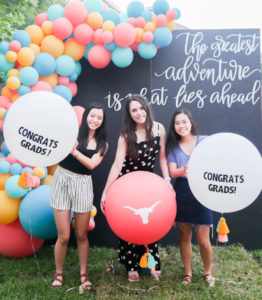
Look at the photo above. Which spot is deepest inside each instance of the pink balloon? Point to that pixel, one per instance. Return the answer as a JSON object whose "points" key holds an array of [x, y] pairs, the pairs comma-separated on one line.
{"points": [[76, 12], [41, 86], [79, 110], [171, 14], [140, 22], [63, 80], [134, 46], [11, 159], [124, 35], [132, 21], [98, 35], [41, 18], [36, 181], [83, 34], [91, 225], [5, 102], [99, 57], [62, 28], [15, 46], [148, 37], [107, 37], [161, 20], [73, 87]]}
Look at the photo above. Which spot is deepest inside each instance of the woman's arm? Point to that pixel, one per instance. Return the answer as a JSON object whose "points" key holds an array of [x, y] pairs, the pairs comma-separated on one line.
{"points": [[162, 153], [115, 169], [175, 172]]}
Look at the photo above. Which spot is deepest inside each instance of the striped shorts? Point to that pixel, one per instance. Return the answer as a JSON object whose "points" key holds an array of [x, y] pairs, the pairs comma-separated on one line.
{"points": [[70, 191]]}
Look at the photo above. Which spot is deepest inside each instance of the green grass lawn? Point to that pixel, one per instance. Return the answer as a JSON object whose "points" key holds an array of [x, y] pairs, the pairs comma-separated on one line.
{"points": [[238, 273]]}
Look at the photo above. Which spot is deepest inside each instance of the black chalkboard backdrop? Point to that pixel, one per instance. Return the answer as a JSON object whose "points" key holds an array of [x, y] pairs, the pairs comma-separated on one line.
{"points": [[229, 102]]}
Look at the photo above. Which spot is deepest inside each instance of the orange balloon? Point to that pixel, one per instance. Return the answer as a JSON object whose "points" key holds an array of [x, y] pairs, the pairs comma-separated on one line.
{"points": [[35, 48], [6, 92], [9, 208], [108, 26], [74, 49], [11, 56], [95, 20], [3, 178], [13, 82], [35, 33], [15, 97], [26, 57], [47, 27], [52, 45], [12, 72], [150, 26], [139, 34], [51, 79]]}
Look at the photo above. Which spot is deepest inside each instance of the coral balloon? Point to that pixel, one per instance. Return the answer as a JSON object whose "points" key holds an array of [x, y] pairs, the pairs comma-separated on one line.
{"points": [[107, 37], [171, 15], [83, 34], [74, 49], [5, 102], [35, 33], [73, 88], [16, 243], [52, 45], [76, 12], [161, 20], [63, 80], [15, 46], [26, 57], [99, 57], [98, 36], [95, 20], [41, 18], [9, 208], [144, 214], [62, 28], [148, 37], [124, 35], [41, 86]]}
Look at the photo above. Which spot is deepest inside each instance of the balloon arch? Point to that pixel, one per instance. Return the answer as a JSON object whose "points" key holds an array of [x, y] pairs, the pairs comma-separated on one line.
{"points": [[45, 57]]}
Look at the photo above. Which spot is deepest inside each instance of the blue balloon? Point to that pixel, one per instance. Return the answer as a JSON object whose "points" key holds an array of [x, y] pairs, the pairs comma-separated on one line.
{"points": [[88, 47], [78, 68], [65, 65], [122, 57], [4, 47], [111, 15], [5, 150], [22, 90], [12, 189], [4, 167], [23, 37], [55, 11], [147, 50], [162, 37], [36, 215], [73, 76], [160, 7], [94, 5], [5, 65], [147, 15], [44, 64], [28, 76], [28, 169], [110, 46], [123, 18], [178, 13], [135, 9], [63, 91], [16, 169]]}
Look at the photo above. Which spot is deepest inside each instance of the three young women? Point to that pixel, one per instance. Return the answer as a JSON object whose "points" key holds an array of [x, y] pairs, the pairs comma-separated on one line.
{"points": [[72, 190]]}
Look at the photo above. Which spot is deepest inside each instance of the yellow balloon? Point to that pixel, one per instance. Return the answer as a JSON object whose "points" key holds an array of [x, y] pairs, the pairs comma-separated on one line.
{"points": [[139, 34], [9, 208], [26, 57], [12, 72], [11, 56], [2, 113], [13, 82], [74, 49], [171, 25], [35, 33], [39, 172], [93, 212], [35, 48], [108, 26], [95, 20], [150, 26], [47, 180], [47, 27], [51, 79], [52, 45], [3, 178]]}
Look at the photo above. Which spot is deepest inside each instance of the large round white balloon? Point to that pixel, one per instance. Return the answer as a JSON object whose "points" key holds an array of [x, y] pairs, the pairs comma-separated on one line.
{"points": [[40, 128], [225, 172]]}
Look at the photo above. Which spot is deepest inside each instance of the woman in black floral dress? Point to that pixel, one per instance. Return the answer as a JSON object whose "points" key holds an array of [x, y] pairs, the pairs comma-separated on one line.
{"points": [[140, 142]]}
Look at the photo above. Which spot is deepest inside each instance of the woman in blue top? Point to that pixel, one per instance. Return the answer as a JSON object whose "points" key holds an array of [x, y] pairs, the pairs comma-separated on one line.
{"points": [[181, 140]]}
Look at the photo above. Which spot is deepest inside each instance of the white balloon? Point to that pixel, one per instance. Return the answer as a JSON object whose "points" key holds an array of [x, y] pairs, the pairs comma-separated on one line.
{"points": [[225, 172], [40, 128]]}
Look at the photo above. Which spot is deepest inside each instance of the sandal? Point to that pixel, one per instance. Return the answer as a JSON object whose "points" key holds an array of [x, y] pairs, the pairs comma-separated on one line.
{"points": [[156, 274], [133, 276], [57, 282], [86, 284], [209, 279], [187, 279]]}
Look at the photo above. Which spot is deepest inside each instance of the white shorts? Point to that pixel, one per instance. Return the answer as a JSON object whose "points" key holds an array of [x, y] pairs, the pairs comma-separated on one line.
{"points": [[71, 191]]}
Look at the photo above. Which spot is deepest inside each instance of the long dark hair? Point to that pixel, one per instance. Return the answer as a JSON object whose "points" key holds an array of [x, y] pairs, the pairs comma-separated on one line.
{"points": [[173, 138], [129, 126], [100, 133]]}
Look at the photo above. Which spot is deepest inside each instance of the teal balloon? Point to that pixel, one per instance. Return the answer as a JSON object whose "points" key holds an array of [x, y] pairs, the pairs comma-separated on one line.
{"points": [[88, 47], [45, 64], [135, 9], [73, 76], [160, 7], [94, 5], [111, 15], [122, 57], [162, 37], [147, 50], [78, 68], [147, 15], [63, 91], [4, 167], [178, 13], [55, 11], [28, 76], [151, 261], [5, 150], [5, 77], [123, 18], [23, 89], [110, 46], [65, 65], [23, 37], [5, 65], [12, 189], [16, 169], [4, 47]]}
